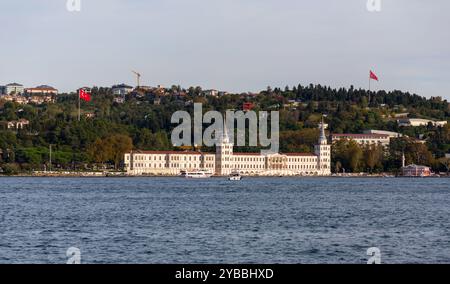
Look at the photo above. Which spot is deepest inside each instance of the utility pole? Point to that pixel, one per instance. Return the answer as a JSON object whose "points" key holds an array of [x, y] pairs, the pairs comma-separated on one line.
{"points": [[79, 106], [50, 158]]}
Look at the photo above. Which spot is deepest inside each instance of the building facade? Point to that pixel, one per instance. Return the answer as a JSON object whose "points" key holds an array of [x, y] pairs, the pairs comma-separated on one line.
{"points": [[416, 122], [364, 139], [416, 171], [13, 89], [13, 98], [391, 134], [41, 90], [121, 90], [225, 161], [18, 124], [211, 93]]}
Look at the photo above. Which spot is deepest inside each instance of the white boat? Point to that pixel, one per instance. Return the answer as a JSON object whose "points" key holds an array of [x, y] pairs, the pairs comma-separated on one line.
{"points": [[235, 176], [201, 174]]}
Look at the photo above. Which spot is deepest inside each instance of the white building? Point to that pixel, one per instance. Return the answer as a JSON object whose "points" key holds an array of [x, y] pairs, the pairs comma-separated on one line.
{"points": [[17, 99], [121, 90], [41, 90], [363, 139], [13, 89], [18, 124], [383, 132], [415, 122], [41, 99], [211, 93], [225, 161]]}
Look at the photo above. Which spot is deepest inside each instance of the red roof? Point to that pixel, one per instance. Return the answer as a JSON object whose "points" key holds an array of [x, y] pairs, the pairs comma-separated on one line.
{"points": [[169, 152], [200, 153]]}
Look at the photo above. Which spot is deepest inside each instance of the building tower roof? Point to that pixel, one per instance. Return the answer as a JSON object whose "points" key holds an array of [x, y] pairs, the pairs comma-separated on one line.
{"points": [[323, 138], [225, 137]]}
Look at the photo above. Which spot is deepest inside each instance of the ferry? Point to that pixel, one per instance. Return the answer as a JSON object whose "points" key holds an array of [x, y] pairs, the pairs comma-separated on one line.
{"points": [[235, 176], [201, 174]]}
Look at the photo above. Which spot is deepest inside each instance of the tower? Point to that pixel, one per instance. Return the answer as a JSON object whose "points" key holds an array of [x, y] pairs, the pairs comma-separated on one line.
{"points": [[323, 153], [224, 155]]}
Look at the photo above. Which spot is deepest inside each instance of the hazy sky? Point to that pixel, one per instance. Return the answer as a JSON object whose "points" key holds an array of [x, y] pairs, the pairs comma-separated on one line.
{"points": [[232, 45]]}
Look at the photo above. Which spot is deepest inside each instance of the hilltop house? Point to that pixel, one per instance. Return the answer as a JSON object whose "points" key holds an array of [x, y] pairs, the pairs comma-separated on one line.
{"points": [[415, 122], [363, 139], [121, 89], [41, 90], [18, 124], [13, 89]]}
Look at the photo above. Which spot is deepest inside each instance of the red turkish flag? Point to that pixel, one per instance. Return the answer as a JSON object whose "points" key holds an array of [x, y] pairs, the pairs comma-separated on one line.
{"points": [[373, 76], [85, 96]]}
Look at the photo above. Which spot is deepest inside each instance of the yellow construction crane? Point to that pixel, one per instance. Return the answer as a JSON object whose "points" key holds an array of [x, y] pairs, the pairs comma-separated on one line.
{"points": [[138, 77]]}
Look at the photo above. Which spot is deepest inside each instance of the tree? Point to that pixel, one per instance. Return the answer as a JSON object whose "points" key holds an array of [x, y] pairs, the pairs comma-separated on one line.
{"points": [[119, 145], [348, 154], [99, 151], [446, 163], [354, 155], [419, 154], [111, 148], [373, 156]]}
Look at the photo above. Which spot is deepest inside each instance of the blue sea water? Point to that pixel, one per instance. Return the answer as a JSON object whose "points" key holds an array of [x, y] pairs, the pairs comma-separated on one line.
{"points": [[258, 220]]}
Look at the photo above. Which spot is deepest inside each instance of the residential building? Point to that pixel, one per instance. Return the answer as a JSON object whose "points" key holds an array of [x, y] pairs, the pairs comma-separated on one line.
{"points": [[212, 93], [14, 98], [121, 90], [383, 132], [41, 90], [89, 115], [292, 104], [42, 99], [401, 115], [225, 161], [119, 100], [2, 90], [157, 101], [13, 89], [18, 124], [415, 122], [363, 139], [416, 171], [447, 156]]}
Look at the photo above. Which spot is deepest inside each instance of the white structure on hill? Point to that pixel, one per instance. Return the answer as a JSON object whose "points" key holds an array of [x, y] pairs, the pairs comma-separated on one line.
{"points": [[225, 161], [415, 122], [13, 89], [121, 90], [364, 139]]}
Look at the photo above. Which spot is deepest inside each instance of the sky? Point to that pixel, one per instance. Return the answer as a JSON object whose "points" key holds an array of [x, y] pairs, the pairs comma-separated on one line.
{"points": [[230, 45]]}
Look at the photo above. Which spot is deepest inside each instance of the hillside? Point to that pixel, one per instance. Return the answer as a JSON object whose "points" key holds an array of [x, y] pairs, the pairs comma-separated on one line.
{"points": [[109, 127]]}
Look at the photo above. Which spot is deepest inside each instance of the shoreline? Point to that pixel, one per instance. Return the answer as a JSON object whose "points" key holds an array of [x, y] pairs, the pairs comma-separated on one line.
{"points": [[123, 175]]}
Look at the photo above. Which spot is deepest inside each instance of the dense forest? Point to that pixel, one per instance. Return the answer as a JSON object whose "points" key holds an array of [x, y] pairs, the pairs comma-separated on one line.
{"points": [[109, 127]]}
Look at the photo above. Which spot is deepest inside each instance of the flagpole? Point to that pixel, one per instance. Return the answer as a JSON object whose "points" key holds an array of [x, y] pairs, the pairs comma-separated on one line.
{"points": [[370, 95], [79, 106]]}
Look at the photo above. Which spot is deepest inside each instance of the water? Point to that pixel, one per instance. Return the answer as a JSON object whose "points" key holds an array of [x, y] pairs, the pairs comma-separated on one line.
{"points": [[258, 220]]}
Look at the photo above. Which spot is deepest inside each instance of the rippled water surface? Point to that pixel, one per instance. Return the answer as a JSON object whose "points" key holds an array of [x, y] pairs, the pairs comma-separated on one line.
{"points": [[258, 220]]}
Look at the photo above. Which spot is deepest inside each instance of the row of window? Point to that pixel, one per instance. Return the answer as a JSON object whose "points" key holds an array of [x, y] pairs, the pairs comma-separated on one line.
{"points": [[173, 158], [173, 165], [235, 159]]}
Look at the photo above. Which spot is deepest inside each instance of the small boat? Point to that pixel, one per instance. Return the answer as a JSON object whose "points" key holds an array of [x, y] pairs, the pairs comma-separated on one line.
{"points": [[201, 174], [235, 176]]}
